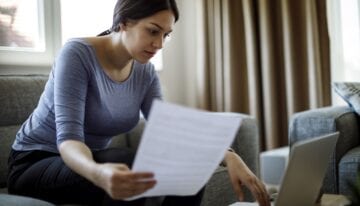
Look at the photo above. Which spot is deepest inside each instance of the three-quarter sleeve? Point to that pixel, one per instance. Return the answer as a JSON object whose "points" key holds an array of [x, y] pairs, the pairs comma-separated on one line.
{"points": [[70, 89]]}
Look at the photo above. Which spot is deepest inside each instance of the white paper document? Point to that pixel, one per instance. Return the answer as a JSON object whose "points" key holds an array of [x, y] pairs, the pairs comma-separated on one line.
{"points": [[183, 147], [247, 204]]}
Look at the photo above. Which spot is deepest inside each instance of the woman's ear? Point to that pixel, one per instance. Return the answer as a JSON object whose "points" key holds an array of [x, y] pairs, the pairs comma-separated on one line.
{"points": [[123, 26]]}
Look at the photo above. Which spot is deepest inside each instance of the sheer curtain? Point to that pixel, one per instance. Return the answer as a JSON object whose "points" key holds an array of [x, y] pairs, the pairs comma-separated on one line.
{"points": [[344, 29], [269, 59]]}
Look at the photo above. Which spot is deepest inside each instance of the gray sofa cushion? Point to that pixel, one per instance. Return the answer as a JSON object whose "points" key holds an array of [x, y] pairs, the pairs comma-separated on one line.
{"points": [[348, 168], [7, 136], [18, 97], [246, 140]]}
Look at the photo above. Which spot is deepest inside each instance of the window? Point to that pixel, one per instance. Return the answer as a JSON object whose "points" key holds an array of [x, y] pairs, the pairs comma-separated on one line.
{"points": [[28, 34], [32, 31], [21, 25], [344, 27], [81, 18]]}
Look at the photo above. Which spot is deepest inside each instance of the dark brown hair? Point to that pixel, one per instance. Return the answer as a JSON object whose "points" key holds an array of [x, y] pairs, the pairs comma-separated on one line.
{"points": [[126, 10]]}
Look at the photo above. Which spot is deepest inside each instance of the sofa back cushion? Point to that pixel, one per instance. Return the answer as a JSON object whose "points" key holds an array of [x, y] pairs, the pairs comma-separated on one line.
{"points": [[7, 135], [19, 95], [130, 139]]}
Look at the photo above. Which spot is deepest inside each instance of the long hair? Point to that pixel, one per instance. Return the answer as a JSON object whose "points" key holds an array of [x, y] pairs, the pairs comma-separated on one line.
{"points": [[126, 10]]}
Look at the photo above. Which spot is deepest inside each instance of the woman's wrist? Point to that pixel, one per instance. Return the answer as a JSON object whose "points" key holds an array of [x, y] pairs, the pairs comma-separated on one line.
{"points": [[97, 175], [230, 152]]}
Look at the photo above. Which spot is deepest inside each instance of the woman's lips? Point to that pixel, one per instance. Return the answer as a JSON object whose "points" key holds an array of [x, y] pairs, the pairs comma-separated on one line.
{"points": [[150, 54]]}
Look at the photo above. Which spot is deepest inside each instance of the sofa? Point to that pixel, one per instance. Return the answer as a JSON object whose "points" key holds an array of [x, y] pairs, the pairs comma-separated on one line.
{"points": [[19, 95], [345, 161]]}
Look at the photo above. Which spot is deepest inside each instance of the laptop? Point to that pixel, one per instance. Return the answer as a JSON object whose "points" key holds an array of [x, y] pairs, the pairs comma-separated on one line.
{"points": [[305, 172]]}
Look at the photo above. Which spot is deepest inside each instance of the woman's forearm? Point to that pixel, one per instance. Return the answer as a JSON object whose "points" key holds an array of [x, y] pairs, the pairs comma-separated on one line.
{"points": [[231, 156], [78, 157]]}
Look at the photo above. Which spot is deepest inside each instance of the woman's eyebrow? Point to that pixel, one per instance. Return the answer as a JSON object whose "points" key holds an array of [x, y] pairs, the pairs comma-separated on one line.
{"points": [[160, 27]]}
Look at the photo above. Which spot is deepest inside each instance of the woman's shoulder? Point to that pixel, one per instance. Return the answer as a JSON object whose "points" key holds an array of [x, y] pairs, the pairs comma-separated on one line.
{"points": [[76, 43], [77, 47], [75, 52]]}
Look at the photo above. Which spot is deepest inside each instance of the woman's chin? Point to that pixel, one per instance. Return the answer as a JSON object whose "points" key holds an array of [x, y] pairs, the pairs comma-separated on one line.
{"points": [[142, 60]]}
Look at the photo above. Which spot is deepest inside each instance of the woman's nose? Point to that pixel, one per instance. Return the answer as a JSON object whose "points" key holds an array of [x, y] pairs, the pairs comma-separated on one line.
{"points": [[158, 42]]}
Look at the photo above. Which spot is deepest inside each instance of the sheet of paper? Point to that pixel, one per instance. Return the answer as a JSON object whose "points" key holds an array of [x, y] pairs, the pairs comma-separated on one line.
{"points": [[245, 204], [248, 204], [183, 147]]}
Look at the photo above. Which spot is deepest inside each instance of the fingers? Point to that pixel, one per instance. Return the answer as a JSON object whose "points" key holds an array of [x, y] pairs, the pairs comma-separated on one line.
{"points": [[129, 184], [140, 175], [240, 173], [133, 189], [120, 182], [131, 177], [260, 193], [237, 187], [239, 192], [256, 187]]}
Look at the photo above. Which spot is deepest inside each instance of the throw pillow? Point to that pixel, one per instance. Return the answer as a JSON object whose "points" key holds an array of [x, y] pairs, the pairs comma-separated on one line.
{"points": [[350, 92]]}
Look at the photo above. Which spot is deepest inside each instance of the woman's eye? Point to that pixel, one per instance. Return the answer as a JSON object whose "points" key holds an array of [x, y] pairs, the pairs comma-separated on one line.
{"points": [[153, 32]]}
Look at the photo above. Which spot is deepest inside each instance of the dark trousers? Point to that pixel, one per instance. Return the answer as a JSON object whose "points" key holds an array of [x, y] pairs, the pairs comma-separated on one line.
{"points": [[44, 175]]}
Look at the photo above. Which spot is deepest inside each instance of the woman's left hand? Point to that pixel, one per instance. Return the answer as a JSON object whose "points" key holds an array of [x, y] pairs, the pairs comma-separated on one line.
{"points": [[240, 174]]}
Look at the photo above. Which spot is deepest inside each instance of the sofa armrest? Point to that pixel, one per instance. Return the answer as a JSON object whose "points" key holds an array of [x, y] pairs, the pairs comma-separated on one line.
{"points": [[133, 137], [316, 122], [247, 142], [130, 139], [219, 190]]}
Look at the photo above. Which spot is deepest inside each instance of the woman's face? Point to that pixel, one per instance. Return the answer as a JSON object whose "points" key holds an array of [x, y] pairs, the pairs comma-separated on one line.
{"points": [[143, 38]]}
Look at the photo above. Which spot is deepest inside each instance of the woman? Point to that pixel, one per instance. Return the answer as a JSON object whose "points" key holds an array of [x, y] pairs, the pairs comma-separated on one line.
{"points": [[95, 90]]}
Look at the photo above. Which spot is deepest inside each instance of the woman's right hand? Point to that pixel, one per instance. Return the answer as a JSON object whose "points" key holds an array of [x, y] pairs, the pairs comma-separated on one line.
{"points": [[115, 178], [120, 182]]}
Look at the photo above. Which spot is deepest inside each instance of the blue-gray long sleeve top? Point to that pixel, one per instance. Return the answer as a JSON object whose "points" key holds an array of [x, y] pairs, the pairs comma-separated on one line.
{"points": [[81, 102]]}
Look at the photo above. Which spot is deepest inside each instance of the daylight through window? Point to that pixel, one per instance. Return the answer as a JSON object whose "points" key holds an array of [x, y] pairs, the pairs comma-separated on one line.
{"points": [[21, 25]]}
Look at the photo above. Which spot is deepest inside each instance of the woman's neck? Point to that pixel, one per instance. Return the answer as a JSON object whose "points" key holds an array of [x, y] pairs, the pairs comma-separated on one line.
{"points": [[115, 53], [113, 57]]}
